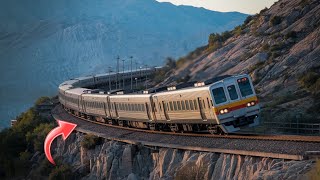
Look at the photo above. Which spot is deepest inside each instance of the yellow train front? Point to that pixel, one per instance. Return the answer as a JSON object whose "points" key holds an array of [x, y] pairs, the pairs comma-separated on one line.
{"points": [[235, 103]]}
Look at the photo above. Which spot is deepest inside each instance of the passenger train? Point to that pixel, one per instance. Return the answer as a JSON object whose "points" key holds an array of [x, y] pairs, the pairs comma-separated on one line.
{"points": [[224, 106]]}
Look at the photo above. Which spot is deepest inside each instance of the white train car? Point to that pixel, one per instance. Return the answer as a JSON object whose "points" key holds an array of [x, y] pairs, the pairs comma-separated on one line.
{"points": [[134, 108], [73, 97], [96, 105]]}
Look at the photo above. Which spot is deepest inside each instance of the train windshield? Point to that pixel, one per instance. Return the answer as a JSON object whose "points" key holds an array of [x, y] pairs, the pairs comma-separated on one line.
{"points": [[245, 87], [219, 95], [232, 92]]}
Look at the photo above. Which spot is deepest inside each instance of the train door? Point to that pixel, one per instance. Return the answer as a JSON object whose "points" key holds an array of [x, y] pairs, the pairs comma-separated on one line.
{"points": [[201, 108], [164, 105], [83, 105], [158, 108], [116, 110], [148, 111], [108, 108]]}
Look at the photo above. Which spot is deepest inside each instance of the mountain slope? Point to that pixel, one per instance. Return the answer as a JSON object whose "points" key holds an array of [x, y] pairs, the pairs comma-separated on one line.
{"points": [[280, 48], [44, 43]]}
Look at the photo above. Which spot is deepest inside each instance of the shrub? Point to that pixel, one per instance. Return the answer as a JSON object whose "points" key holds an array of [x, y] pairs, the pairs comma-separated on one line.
{"points": [[37, 136], [90, 141], [62, 172], [42, 100], [314, 174], [247, 20], [256, 66], [263, 10], [275, 20], [237, 31], [309, 79], [291, 34], [265, 47]]}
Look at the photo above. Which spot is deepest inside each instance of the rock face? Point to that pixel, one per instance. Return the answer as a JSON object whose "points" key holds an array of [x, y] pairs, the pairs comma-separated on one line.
{"points": [[277, 47], [114, 160]]}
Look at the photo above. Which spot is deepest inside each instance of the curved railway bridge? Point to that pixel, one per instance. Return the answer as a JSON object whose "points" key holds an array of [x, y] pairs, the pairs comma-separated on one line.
{"points": [[280, 146]]}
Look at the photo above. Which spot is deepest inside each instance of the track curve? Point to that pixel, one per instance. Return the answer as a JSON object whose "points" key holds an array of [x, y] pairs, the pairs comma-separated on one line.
{"points": [[287, 147]]}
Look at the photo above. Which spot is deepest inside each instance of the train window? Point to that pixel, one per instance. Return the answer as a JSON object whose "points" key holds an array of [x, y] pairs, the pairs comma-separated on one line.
{"points": [[179, 105], [187, 105], [183, 106], [159, 107], [171, 107], [143, 108], [208, 103], [232, 92], [204, 104], [191, 105], [219, 95], [245, 87], [195, 104], [167, 105], [175, 105], [126, 107]]}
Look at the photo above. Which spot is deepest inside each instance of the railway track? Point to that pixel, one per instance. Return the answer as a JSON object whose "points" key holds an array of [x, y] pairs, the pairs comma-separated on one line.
{"points": [[294, 138]]}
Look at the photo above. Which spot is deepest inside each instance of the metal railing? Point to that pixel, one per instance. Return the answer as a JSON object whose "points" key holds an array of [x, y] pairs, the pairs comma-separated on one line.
{"points": [[294, 127]]}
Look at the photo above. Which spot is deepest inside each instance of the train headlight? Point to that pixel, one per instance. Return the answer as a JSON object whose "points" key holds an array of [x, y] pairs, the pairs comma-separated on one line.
{"points": [[224, 111], [251, 104]]}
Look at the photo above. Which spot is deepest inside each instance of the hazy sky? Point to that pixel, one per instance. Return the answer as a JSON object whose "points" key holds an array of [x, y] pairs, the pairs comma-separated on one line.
{"points": [[244, 6]]}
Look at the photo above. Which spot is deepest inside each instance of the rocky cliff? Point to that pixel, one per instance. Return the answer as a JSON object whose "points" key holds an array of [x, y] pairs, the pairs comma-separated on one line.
{"points": [[114, 160], [279, 48]]}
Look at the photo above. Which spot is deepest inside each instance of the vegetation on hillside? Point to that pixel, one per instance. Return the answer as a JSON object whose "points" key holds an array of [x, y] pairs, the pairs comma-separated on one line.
{"points": [[90, 141], [20, 143]]}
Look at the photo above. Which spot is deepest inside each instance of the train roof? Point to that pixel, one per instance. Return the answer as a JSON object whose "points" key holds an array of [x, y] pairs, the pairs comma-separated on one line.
{"points": [[95, 95], [77, 91], [131, 95], [65, 87]]}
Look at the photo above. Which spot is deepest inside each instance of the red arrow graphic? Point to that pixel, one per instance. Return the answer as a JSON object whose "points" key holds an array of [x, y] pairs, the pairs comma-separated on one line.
{"points": [[64, 129]]}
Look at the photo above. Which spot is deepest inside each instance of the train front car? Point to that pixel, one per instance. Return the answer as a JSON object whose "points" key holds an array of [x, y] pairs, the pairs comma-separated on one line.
{"points": [[235, 103]]}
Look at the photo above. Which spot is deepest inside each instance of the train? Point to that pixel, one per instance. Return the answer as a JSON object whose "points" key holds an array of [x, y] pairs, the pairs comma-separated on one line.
{"points": [[221, 107]]}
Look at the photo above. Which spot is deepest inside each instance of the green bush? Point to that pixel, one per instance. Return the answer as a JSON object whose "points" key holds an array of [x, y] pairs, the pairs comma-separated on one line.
{"points": [[237, 31], [309, 79], [275, 20], [41, 100], [263, 10], [90, 141], [291, 34], [258, 65], [62, 172], [277, 47], [36, 138], [247, 20], [314, 174]]}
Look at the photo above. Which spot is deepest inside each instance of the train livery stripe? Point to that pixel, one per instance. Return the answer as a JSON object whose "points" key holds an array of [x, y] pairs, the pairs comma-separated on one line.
{"points": [[236, 105]]}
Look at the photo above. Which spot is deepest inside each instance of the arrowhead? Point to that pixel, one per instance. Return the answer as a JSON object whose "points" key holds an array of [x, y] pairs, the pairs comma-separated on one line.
{"points": [[66, 128]]}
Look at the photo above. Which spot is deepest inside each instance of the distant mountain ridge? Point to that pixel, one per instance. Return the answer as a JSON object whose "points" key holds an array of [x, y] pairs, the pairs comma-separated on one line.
{"points": [[46, 42]]}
